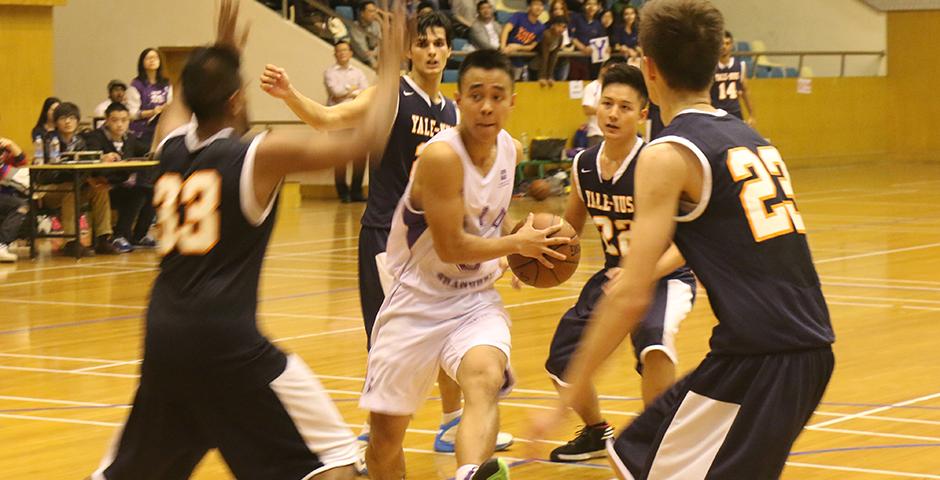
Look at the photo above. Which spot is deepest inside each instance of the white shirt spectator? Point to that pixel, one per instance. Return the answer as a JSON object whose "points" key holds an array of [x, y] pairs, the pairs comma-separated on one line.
{"points": [[592, 96]]}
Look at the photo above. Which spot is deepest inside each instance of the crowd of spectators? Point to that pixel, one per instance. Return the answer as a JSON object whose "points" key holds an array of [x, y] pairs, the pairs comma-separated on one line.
{"points": [[567, 41], [123, 127]]}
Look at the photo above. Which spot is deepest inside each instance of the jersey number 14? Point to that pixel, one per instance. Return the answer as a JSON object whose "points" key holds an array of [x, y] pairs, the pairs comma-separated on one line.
{"points": [[199, 196]]}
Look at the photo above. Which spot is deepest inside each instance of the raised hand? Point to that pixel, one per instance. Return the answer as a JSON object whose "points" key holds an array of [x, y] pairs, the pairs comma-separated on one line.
{"points": [[376, 124], [227, 33], [275, 82]]}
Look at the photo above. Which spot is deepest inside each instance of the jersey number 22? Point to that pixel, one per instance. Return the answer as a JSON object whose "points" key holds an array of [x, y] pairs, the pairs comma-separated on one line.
{"points": [[199, 195]]}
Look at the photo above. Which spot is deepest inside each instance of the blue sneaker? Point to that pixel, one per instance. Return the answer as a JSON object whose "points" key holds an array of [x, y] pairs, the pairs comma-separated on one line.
{"points": [[444, 440], [360, 465], [121, 245]]}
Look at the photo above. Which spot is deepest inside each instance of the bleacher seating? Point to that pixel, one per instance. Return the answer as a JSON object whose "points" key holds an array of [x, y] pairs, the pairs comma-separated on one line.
{"points": [[502, 16], [460, 44], [450, 76], [346, 11]]}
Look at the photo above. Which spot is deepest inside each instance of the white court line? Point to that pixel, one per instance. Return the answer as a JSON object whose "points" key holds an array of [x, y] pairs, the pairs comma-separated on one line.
{"points": [[70, 304], [107, 365], [58, 402], [53, 357], [855, 304], [888, 299], [875, 410], [73, 372], [59, 420], [310, 242], [320, 334], [877, 417], [881, 287], [881, 280], [867, 433], [78, 277], [876, 253], [861, 470], [538, 302], [913, 307]]}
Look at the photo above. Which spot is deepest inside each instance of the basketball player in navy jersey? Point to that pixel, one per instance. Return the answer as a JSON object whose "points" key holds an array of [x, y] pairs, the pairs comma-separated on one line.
{"points": [[444, 251], [602, 192], [422, 112], [730, 86], [209, 378], [739, 228]]}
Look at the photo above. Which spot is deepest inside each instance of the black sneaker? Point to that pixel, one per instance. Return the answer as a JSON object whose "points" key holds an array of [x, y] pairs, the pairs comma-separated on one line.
{"points": [[77, 250], [590, 442]]}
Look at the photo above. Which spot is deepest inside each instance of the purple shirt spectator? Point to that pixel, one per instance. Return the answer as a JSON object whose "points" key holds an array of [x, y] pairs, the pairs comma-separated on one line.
{"points": [[145, 96]]}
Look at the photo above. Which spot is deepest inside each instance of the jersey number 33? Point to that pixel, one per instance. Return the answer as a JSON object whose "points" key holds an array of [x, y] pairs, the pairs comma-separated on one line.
{"points": [[199, 198]]}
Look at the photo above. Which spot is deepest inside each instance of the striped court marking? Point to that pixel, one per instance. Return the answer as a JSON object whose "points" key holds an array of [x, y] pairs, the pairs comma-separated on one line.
{"points": [[873, 410]]}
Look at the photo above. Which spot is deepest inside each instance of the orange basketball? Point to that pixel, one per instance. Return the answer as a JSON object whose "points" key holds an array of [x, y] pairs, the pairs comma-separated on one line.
{"points": [[531, 271], [539, 190]]}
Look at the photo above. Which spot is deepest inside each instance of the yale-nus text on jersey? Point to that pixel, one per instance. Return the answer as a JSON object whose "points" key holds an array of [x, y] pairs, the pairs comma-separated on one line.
{"points": [[427, 126], [609, 203]]}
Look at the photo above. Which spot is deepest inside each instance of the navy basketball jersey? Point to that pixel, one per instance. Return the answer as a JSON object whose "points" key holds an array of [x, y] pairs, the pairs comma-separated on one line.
{"points": [[201, 321], [609, 202], [727, 86], [746, 240], [417, 121]]}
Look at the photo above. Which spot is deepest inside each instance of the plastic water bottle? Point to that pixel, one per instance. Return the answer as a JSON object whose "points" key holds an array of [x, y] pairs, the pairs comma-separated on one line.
{"points": [[39, 154], [54, 150], [525, 145]]}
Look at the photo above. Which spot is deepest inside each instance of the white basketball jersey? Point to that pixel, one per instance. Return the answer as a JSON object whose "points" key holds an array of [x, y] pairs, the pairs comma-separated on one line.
{"points": [[412, 260]]}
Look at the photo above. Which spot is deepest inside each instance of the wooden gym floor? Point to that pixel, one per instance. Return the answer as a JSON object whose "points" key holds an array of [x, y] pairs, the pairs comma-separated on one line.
{"points": [[70, 337]]}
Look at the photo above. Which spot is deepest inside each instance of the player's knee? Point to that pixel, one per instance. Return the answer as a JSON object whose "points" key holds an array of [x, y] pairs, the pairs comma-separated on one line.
{"points": [[656, 358], [482, 380]]}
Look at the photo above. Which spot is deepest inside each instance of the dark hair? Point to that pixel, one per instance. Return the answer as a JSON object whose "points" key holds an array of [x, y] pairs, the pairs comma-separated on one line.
{"points": [[683, 38], [729, 35], [142, 72], [342, 41], [610, 62], [487, 60], [529, 2], [557, 19], [209, 79], [115, 107], [45, 108], [432, 20], [66, 109], [625, 74], [481, 3], [425, 4], [363, 5]]}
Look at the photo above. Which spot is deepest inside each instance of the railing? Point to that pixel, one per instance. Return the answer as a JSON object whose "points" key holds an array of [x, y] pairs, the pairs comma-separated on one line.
{"points": [[803, 54]]}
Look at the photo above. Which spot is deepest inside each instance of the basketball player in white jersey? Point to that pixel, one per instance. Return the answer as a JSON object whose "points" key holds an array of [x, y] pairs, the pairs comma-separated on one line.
{"points": [[444, 253]]}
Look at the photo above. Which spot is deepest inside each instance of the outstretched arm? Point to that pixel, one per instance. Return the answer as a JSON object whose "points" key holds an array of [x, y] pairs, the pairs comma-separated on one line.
{"points": [[281, 153], [275, 82]]}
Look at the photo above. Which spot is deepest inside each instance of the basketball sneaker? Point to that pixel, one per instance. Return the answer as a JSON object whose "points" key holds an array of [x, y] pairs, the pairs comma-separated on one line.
{"points": [[492, 469], [447, 435], [363, 441], [589, 442]]}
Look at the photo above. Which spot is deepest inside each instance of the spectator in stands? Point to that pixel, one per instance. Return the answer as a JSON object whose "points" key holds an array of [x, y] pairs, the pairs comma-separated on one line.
{"points": [[542, 66], [424, 7], [365, 39], [148, 95], [94, 191], [588, 34], [558, 8], [116, 93], [522, 34], [464, 12], [45, 123], [485, 30], [592, 96], [624, 39], [131, 193], [13, 204], [345, 82], [607, 20]]}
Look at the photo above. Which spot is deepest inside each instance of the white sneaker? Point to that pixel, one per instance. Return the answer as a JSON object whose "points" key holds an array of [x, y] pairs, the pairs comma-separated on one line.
{"points": [[6, 256]]}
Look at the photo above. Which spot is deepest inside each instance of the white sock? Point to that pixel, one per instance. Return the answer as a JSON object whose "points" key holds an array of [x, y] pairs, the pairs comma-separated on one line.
{"points": [[465, 472], [449, 417]]}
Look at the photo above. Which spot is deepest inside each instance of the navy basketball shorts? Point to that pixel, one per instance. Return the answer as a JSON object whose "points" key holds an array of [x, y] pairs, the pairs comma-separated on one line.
{"points": [[734, 416], [372, 241], [286, 430], [672, 302]]}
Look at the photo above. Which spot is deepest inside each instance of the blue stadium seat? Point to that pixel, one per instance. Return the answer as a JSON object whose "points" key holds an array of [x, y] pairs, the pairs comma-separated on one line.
{"points": [[792, 72], [749, 63], [761, 72], [776, 72], [502, 16], [345, 11], [460, 44], [450, 76], [743, 46]]}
